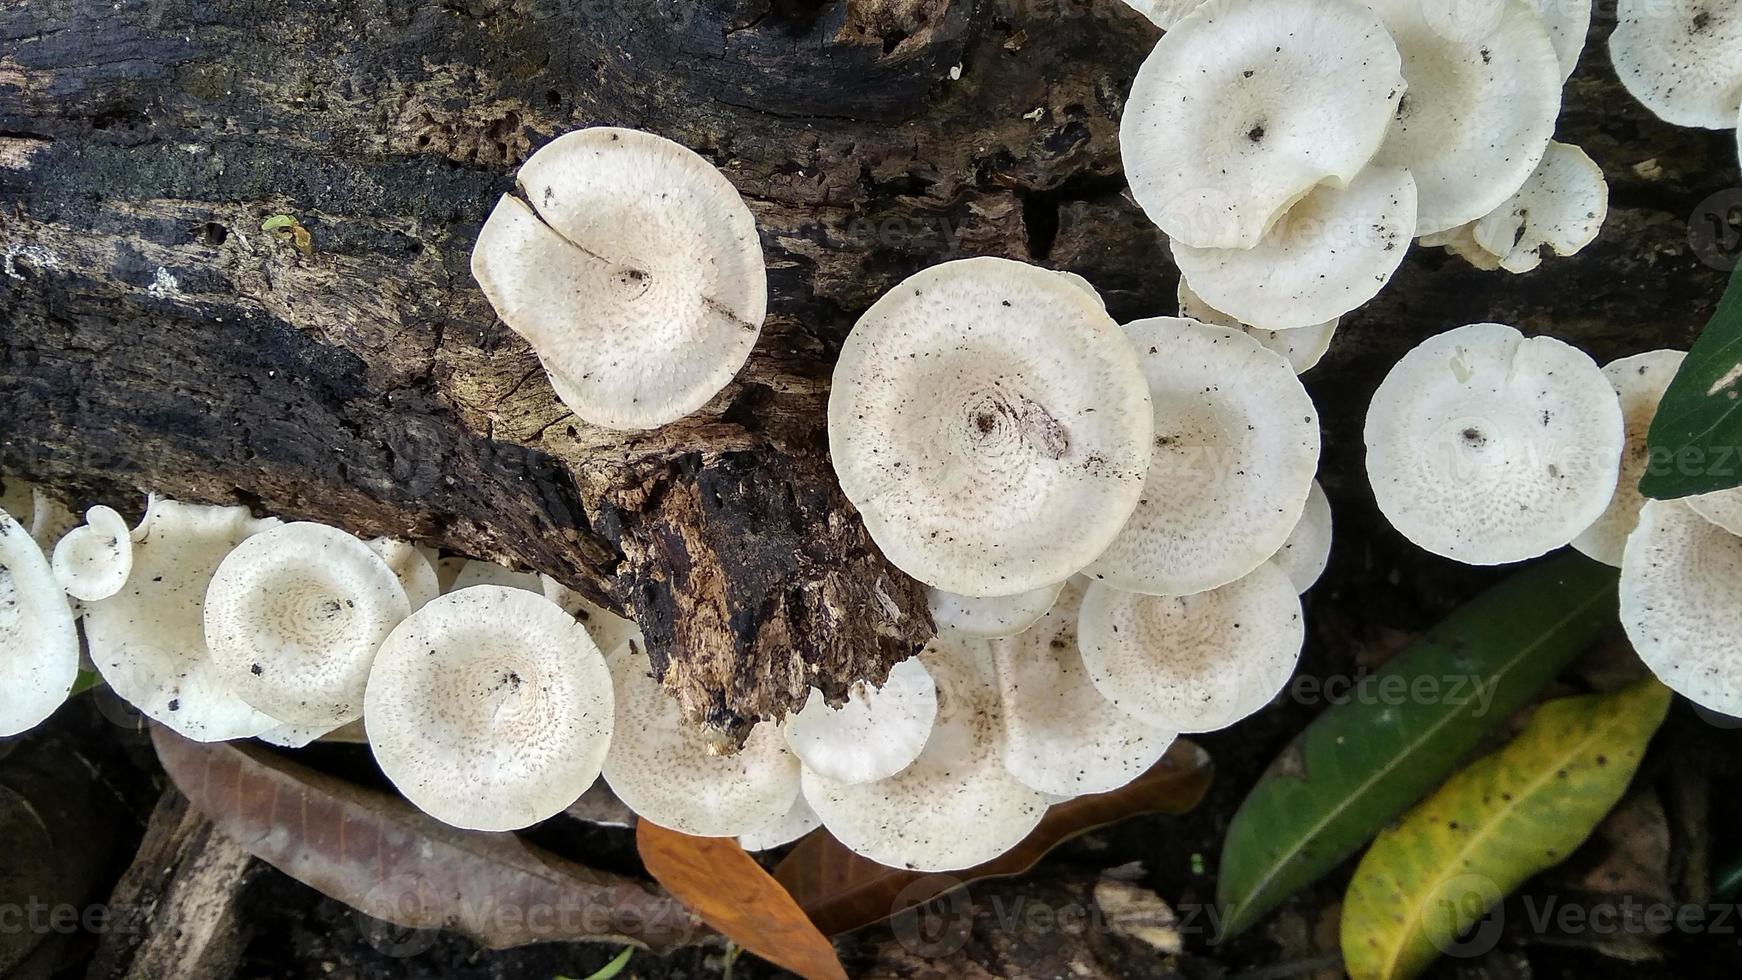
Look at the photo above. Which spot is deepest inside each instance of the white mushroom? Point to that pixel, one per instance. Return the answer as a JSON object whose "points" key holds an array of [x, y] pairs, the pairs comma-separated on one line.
{"points": [[93, 560], [1568, 23], [663, 767], [957, 805], [1060, 735], [1308, 548], [293, 618], [299, 736], [1721, 507], [992, 616], [148, 640], [1303, 346], [1236, 445], [1681, 603], [490, 709], [1461, 241], [1193, 663], [1681, 58], [474, 572], [39, 646], [1164, 13], [1479, 112], [43, 516], [633, 268], [1273, 98], [876, 734], [783, 830], [416, 573], [991, 424], [1640, 382], [1561, 207], [1329, 254], [1487, 447], [607, 629]]}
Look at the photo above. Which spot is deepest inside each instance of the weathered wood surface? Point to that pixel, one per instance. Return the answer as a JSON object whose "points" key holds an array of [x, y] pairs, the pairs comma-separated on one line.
{"points": [[152, 337]]}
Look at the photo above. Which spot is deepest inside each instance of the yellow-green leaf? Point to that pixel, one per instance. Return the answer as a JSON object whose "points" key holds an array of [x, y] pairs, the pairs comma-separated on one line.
{"points": [[1491, 826]]}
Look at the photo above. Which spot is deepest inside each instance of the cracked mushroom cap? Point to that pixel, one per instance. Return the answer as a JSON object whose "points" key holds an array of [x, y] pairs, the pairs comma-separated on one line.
{"points": [[1640, 382], [1236, 446], [957, 805], [148, 640], [416, 573], [1193, 663], [992, 616], [39, 645], [93, 560], [1681, 603], [1274, 97], [1060, 735], [1480, 109], [783, 830], [1308, 548], [1561, 208], [991, 424], [293, 618], [489, 709], [665, 770], [1329, 254], [1681, 58], [1486, 447], [876, 734], [633, 268], [1303, 346]]}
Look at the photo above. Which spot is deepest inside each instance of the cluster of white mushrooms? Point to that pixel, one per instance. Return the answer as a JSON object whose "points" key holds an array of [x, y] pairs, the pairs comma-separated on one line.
{"points": [[1682, 59]]}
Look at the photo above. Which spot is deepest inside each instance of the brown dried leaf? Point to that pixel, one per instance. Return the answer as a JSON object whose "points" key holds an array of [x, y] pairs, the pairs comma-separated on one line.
{"points": [[379, 855], [731, 892]]}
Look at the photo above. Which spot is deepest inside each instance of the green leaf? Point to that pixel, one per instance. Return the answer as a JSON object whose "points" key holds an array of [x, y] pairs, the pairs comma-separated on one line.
{"points": [[279, 222], [87, 679], [612, 968], [1362, 762], [1506, 817], [1695, 437]]}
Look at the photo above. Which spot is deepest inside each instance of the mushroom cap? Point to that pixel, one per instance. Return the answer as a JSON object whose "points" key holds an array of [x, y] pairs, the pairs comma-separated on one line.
{"points": [[1332, 252], [1164, 13], [991, 424], [782, 830], [1680, 58], [1273, 96], [489, 709], [1307, 551], [1060, 735], [39, 645], [1568, 23], [293, 618], [1303, 346], [607, 629], [1487, 448], [1461, 241], [664, 769], [957, 805], [1681, 603], [991, 616], [1640, 382], [1721, 507], [1561, 206], [93, 560], [1481, 107], [876, 734], [1236, 445], [473, 572], [1193, 663], [416, 573], [148, 640], [634, 269]]}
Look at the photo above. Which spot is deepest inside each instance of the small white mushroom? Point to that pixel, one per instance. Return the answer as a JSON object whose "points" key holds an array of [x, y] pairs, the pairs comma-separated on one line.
{"points": [[1461, 241], [42, 515], [39, 646], [1681, 603], [1236, 445], [93, 560], [1193, 663], [1487, 448], [148, 640], [1721, 507], [607, 629], [416, 573], [1568, 23], [992, 616], [664, 769], [490, 709], [634, 269], [991, 424], [1273, 97], [957, 805], [1681, 58], [1060, 735], [1164, 13], [1308, 548], [474, 572], [1639, 381], [293, 618], [1479, 112], [1303, 346], [876, 734], [783, 830], [1561, 207], [1331, 252]]}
